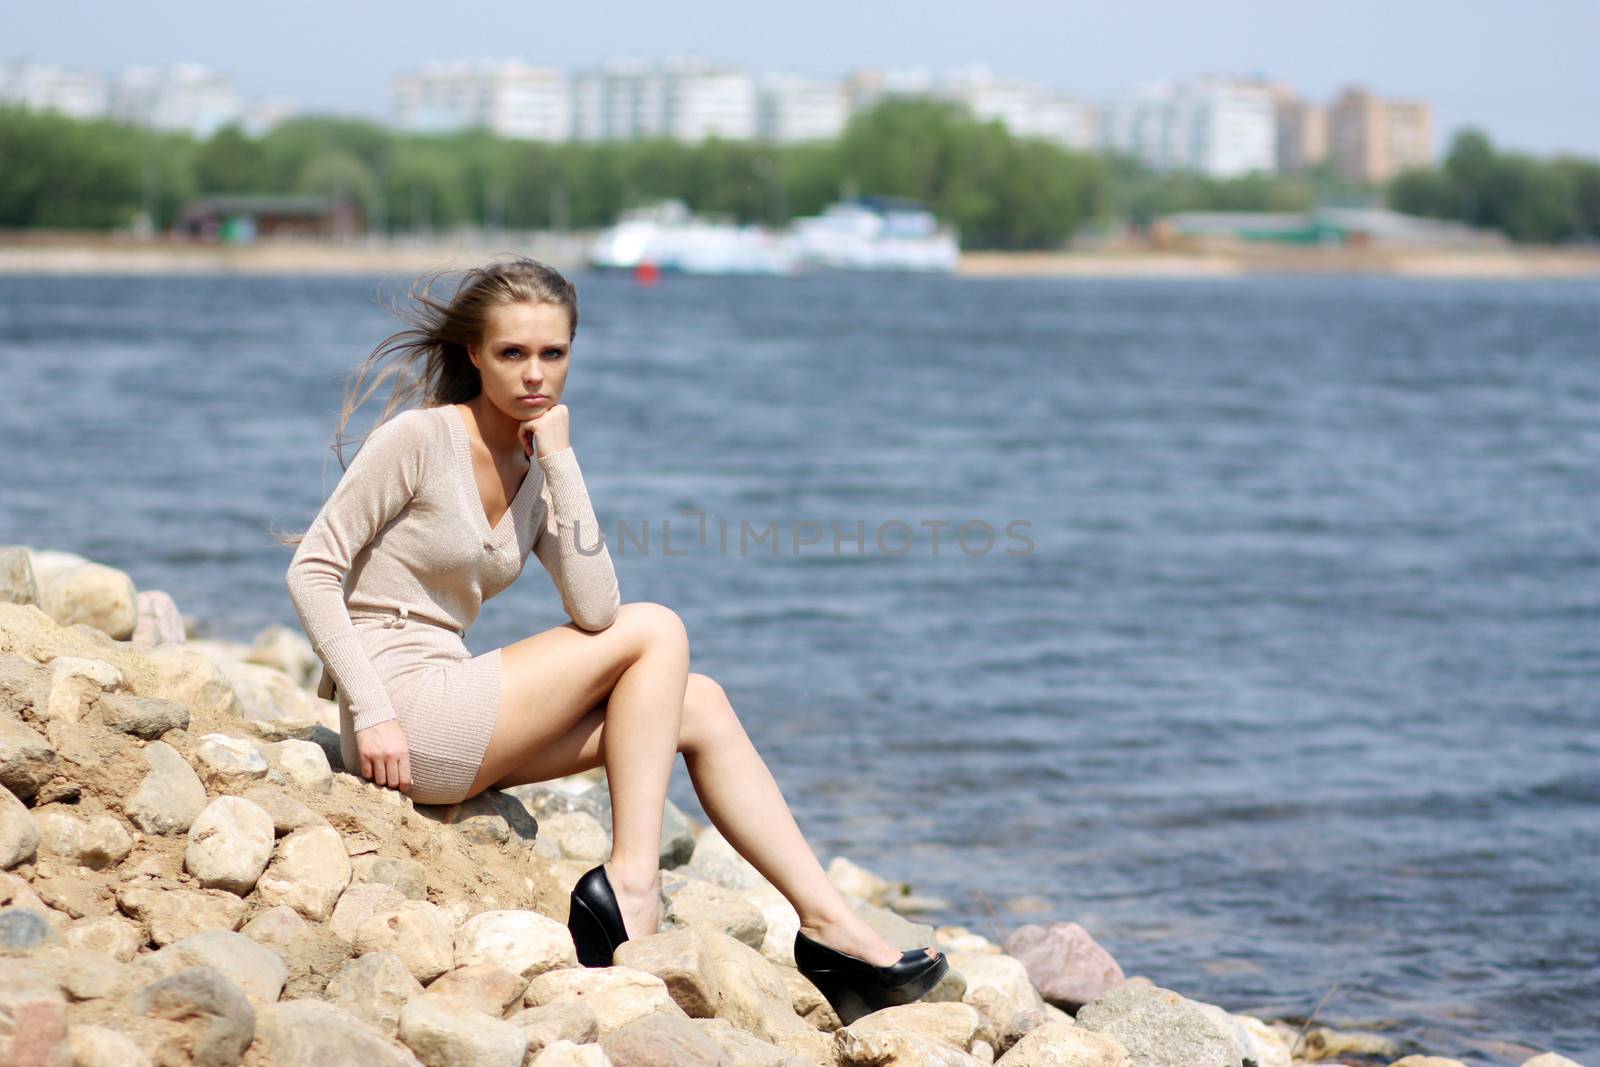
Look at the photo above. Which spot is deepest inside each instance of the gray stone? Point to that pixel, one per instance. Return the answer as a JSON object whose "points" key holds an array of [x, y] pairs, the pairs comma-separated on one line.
{"points": [[406, 875], [1160, 1028], [170, 797], [542, 800], [22, 929], [217, 1015], [490, 818], [146, 717]]}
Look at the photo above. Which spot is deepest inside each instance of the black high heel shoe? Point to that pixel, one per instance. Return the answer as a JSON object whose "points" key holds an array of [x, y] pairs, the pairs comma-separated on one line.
{"points": [[854, 987], [595, 919]]}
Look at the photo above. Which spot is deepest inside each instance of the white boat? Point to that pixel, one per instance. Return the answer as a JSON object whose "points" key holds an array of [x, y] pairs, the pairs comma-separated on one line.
{"points": [[874, 233], [666, 236], [865, 233]]}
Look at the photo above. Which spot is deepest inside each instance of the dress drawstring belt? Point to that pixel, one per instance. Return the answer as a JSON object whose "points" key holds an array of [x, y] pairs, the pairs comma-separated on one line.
{"points": [[397, 618]]}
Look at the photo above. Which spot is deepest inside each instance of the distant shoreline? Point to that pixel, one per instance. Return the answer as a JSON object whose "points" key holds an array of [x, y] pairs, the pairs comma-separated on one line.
{"points": [[64, 254]]}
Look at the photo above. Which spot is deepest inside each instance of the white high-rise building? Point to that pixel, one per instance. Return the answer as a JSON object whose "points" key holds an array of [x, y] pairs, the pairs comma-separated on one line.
{"points": [[1223, 127], [184, 96], [705, 100], [1024, 108], [792, 107], [620, 100], [508, 97], [37, 87], [686, 98]]}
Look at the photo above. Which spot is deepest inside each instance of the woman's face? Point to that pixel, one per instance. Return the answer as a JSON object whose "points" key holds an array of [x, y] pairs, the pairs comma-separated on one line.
{"points": [[525, 351]]}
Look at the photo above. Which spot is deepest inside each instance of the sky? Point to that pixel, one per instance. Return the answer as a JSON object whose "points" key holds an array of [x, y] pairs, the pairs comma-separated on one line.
{"points": [[1526, 73]]}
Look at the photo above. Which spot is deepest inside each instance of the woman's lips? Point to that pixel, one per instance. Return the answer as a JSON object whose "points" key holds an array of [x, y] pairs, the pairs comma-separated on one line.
{"points": [[533, 399]]}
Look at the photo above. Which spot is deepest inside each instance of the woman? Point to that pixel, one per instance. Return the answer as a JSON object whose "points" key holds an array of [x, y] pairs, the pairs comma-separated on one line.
{"points": [[437, 513]]}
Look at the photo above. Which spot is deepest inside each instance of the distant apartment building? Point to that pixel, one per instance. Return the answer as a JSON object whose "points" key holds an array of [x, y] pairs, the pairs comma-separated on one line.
{"points": [[1223, 127], [1024, 108], [38, 87], [686, 98], [791, 107], [185, 96], [1302, 131], [507, 97], [1372, 140]]}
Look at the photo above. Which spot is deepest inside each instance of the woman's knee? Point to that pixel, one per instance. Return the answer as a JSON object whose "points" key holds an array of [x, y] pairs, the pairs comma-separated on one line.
{"points": [[708, 715], [651, 626]]}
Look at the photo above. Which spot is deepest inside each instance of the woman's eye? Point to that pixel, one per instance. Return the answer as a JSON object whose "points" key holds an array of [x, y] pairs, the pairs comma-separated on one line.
{"points": [[512, 353], [555, 353]]}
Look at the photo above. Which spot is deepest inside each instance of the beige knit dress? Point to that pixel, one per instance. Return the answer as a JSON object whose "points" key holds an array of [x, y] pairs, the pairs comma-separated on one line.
{"points": [[395, 568]]}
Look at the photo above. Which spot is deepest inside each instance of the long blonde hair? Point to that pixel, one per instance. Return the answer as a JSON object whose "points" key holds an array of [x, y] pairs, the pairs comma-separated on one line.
{"points": [[428, 361]]}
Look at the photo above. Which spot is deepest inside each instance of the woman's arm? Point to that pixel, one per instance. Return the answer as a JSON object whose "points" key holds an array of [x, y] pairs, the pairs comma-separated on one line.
{"points": [[587, 583], [379, 482]]}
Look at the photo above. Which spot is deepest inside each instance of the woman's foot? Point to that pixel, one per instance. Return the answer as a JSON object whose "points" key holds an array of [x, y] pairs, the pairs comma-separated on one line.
{"points": [[852, 935], [639, 902]]}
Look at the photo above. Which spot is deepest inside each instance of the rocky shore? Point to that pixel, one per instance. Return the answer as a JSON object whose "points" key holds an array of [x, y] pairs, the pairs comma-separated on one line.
{"points": [[188, 876]]}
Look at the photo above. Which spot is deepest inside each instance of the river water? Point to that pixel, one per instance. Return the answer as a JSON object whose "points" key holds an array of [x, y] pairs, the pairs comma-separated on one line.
{"points": [[1269, 648]]}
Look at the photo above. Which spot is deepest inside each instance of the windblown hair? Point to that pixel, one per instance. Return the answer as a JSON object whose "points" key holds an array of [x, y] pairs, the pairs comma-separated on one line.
{"points": [[427, 363]]}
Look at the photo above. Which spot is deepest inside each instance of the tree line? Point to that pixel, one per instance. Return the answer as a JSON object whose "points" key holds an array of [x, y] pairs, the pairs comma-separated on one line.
{"points": [[1528, 199], [1000, 191]]}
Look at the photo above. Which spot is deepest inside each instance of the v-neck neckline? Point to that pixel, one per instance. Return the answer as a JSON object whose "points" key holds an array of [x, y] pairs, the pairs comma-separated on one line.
{"points": [[463, 440]]}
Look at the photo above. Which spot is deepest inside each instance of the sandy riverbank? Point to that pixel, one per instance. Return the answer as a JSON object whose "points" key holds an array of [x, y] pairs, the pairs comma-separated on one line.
{"points": [[69, 254]]}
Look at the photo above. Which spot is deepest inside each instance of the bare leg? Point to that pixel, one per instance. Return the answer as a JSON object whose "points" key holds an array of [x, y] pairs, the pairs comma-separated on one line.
{"points": [[743, 801], [637, 677], [572, 700]]}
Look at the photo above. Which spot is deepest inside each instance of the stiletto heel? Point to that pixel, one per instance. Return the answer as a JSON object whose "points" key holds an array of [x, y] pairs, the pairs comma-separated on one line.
{"points": [[594, 919], [853, 987]]}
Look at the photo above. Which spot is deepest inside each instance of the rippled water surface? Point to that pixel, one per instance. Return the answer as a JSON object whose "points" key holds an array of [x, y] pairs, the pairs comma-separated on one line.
{"points": [[1290, 679]]}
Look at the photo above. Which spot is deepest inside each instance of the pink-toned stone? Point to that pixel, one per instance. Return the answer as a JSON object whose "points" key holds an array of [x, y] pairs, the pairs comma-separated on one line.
{"points": [[33, 1021], [1066, 965]]}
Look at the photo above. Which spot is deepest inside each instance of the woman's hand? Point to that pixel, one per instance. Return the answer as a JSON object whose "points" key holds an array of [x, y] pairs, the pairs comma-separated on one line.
{"points": [[549, 430], [385, 755]]}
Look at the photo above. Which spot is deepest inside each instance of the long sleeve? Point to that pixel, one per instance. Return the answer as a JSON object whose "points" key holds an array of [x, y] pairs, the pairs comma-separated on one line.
{"points": [[380, 481], [587, 582]]}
